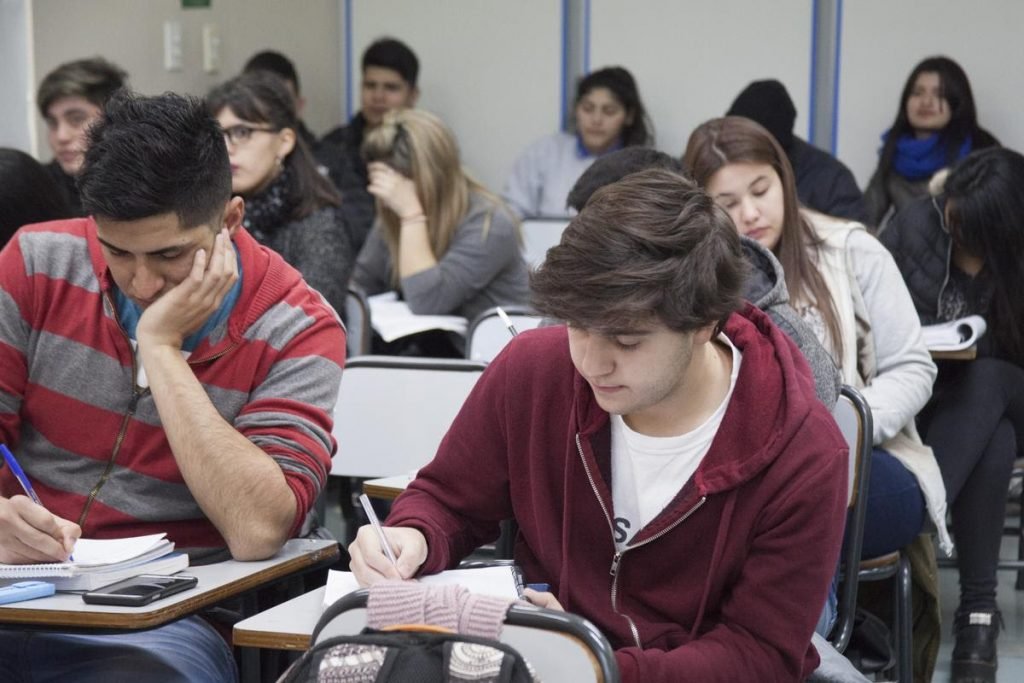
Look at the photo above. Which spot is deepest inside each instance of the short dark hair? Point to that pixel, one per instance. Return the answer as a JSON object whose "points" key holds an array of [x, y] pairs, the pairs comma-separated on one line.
{"points": [[623, 87], [261, 97], [651, 243], [391, 53], [28, 194], [153, 155], [95, 79], [615, 166], [275, 63]]}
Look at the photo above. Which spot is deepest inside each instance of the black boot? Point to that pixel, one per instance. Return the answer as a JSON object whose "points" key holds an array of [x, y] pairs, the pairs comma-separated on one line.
{"points": [[974, 655]]}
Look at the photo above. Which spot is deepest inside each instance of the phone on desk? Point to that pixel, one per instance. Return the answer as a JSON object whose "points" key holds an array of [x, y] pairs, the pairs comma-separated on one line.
{"points": [[140, 590]]}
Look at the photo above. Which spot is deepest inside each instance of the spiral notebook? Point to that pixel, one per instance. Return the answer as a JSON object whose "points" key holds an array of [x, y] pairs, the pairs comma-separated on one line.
{"points": [[99, 562]]}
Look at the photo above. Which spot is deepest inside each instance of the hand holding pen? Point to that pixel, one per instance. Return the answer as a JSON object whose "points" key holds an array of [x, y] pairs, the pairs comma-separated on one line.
{"points": [[376, 555], [29, 533]]}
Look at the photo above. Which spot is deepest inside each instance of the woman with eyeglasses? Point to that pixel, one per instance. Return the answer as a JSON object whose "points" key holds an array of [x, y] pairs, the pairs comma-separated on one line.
{"points": [[444, 241], [289, 206]]}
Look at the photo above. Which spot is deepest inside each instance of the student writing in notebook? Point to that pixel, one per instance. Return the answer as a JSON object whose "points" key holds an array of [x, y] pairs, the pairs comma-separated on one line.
{"points": [[159, 372], [664, 453]]}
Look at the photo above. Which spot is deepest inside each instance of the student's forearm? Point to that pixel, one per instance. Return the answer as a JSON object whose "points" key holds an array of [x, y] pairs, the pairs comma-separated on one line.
{"points": [[414, 252], [239, 487]]}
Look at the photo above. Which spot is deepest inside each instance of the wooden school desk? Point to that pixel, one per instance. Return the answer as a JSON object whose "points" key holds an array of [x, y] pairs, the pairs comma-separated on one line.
{"points": [[970, 353], [387, 488]]}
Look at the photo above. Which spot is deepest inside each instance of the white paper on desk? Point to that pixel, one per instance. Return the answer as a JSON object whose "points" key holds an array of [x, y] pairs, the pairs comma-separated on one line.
{"points": [[90, 552], [499, 581], [393, 319], [954, 335]]}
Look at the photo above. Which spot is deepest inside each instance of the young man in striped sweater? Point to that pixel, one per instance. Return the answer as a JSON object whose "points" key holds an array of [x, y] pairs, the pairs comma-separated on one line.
{"points": [[159, 372]]}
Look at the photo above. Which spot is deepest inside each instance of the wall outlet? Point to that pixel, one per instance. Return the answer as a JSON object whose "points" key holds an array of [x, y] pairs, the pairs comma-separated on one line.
{"points": [[211, 48], [172, 46]]}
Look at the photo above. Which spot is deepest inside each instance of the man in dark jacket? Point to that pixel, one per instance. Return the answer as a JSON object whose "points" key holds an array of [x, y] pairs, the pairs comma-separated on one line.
{"points": [[823, 183], [674, 478], [390, 70]]}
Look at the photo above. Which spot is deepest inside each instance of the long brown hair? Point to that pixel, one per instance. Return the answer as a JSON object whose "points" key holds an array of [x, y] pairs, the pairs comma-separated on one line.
{"points": [[735, 139], [418, 145]]}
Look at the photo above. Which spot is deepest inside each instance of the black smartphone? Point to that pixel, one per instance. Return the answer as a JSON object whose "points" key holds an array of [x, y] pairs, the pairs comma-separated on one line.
{"points": [[140, 590]]}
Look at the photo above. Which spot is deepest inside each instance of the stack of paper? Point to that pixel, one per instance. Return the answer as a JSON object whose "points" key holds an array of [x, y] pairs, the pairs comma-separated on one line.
{"points": [[393, 319], [100, 562], [499, 581], [955, 335]]}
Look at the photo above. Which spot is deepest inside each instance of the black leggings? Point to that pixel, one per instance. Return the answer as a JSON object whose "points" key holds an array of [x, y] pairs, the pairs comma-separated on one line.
{"points": [[973, 424]]}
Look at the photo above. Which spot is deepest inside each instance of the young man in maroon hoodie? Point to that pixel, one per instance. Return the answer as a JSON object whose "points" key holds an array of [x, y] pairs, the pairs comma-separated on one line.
{"points": [[674, 477]]}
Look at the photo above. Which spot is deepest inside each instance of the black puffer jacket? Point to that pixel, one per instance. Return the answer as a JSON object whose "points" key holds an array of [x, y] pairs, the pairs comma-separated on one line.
{"points": [[921, 245]]}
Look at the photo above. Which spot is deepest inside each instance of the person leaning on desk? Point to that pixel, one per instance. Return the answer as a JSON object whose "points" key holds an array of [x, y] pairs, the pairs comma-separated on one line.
{"points": [[675, 479], [159, 372]]}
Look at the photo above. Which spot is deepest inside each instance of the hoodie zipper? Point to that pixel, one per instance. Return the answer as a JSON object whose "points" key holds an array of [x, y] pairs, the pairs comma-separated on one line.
{"points": [[137, 393], [617, 558], [132, 405]]}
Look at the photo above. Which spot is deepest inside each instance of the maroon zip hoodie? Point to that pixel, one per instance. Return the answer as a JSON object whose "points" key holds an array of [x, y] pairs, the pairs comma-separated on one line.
{"points": [[725, 584]]}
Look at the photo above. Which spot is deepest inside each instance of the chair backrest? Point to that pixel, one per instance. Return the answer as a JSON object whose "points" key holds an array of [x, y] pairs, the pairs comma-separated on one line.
{"points": [[487, 334], [853, 415], [357, 324], [559, 645], [539, 235], [358, 331], [392, 412]]}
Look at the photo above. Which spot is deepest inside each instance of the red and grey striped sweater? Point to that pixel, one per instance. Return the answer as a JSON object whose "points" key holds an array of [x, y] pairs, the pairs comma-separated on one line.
{"points": [[91, 441]]}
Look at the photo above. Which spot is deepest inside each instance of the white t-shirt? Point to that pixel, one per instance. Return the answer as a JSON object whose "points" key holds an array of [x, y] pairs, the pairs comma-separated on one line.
{"points": [[648, 471]]}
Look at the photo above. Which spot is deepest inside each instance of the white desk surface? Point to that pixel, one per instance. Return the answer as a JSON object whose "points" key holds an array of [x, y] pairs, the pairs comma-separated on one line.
{"points": [[286, 626], [216, 583]]}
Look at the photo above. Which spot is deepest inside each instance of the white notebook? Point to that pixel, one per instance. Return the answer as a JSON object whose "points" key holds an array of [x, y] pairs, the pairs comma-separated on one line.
{"points": [[393, 319], [499, 581], [91, 555], [954, 335]]}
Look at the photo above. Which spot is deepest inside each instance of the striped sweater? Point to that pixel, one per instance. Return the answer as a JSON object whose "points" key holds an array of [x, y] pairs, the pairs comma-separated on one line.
{"points": [[91, 442]]}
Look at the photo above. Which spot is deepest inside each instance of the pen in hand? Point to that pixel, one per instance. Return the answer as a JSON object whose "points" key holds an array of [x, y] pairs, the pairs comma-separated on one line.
{"points": [[19, 474], [364, 500]]}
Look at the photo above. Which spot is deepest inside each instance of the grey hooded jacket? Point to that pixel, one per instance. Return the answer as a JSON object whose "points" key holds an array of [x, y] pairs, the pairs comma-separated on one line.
{"points": [[766, 289]]}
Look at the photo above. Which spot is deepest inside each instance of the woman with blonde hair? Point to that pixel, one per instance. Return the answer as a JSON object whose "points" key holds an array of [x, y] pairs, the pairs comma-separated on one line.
{"points": [[441, 239], [845, 284]]}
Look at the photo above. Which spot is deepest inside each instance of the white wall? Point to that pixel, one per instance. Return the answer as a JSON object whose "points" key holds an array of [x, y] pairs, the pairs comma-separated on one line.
{"points": [[16, 75], [489, 68], [882, 41], [130, 33], [692, 58]]}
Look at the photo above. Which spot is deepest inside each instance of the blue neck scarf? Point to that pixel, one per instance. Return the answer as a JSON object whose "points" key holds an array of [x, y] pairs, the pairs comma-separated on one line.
{"points": [[920, 159], [129, 312], [583, 152]]}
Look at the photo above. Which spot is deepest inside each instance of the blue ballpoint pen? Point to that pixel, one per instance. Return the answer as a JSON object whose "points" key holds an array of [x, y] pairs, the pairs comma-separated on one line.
{"points": [[19, 474]]}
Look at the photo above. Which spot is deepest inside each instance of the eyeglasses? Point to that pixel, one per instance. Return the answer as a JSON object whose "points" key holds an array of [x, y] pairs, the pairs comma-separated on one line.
{"points": [[239, 134]]}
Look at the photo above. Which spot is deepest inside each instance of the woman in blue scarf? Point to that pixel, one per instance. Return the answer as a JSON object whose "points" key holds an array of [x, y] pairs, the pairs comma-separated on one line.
{"points": [[935, 126]]}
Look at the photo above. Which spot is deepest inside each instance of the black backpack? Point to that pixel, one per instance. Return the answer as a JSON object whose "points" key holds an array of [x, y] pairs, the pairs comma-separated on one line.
{"points": [[409, 654]]}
